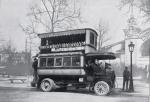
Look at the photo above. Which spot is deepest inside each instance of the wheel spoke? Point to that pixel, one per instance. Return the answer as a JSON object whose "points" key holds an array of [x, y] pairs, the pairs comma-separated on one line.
{"points": [[47, 85], [101, 88]]}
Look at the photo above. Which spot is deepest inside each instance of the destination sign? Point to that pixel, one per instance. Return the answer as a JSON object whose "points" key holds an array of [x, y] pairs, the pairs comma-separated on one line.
{"points": [[66, 45]]}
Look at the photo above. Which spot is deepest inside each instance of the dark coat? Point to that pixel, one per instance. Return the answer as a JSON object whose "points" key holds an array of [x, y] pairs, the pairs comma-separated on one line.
{"points": [[34, 65], [126, 75], [89, 70], [96, 68]]}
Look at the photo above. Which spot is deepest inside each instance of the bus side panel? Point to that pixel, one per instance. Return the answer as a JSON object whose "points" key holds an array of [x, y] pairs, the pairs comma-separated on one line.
{"points": [[61, 72]]}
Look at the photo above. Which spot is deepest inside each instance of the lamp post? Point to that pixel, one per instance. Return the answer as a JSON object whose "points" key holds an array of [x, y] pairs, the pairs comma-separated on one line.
{"points": [[131, 49]]}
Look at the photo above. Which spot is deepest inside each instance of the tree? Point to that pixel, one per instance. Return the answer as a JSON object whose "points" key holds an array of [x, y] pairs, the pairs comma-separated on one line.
{"points": [[51, 15], [10, 51], [102, 30], [143, 5]]}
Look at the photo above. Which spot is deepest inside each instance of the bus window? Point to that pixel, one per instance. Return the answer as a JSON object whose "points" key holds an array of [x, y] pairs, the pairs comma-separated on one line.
{"points": [[58, 62], [67, 61], [50, 62], [43, 41], [95, 41], [43, 62], [76, 61], [92, 38]]}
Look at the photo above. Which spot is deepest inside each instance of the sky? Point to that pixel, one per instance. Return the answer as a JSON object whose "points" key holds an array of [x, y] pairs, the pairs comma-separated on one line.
{"points": [[108, 12], [14, 12]]}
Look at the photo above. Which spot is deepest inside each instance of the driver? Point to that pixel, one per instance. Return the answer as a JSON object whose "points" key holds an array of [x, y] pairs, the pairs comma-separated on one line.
{"points": [[95, 66], [89, 68]]}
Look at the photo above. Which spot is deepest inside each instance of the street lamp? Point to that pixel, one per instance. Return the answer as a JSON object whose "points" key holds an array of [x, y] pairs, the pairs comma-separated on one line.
{"points": [[131, 49]]}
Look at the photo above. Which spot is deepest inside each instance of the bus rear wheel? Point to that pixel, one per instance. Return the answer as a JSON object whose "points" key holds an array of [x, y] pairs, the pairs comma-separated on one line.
{"points": [[47, 85], [101, 88]]}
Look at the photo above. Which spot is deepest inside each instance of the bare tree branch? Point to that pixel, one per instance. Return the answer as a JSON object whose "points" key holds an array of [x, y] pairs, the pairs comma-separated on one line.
{"points": [[51, 15], [143, 5], [102, 30]]}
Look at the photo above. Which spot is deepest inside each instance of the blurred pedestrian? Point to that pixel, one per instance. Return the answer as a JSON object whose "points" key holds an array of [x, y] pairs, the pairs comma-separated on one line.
{"points": [[126, 76], [34, 66]]}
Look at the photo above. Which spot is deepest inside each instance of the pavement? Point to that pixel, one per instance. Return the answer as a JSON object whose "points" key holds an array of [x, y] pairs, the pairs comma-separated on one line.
{"points": [[5, 82], [141, 93], [141, 87]]}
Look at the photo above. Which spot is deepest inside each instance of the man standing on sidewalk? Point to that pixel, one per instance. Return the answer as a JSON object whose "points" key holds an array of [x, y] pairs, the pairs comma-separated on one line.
{"points": [[34, 65], [126, 75]]}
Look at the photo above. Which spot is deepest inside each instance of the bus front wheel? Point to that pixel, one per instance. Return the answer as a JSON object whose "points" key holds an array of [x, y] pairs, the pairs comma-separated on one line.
{"points": [[101, 88], [47, 85]]}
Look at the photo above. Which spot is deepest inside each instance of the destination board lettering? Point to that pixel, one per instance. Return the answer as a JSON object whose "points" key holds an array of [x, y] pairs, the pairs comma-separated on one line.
{"points": [[66, 45]]}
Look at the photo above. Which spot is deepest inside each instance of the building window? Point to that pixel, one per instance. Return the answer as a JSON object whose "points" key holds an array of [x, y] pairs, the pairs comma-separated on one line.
{"points": [[58, 62], [50, 62], [76, 61], [43, 62], [67, 61]]}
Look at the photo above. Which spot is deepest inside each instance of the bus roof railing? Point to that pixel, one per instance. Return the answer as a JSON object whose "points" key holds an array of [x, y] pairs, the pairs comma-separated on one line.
{"points": [[65, 33]]}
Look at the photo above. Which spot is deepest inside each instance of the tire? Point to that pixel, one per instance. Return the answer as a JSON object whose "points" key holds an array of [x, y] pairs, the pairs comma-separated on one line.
{"points": [[101, 88], [47, 85]]}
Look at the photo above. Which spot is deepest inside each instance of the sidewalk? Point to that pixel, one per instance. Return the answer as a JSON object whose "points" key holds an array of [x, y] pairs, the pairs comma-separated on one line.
{"points": [[141, 88], [5, 82]]}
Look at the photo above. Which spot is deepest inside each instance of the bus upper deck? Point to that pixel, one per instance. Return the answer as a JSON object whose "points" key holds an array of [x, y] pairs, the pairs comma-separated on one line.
{"points": [[73, 40]]}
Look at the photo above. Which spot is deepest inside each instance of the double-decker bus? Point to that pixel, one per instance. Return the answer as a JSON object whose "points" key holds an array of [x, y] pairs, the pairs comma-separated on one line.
{"points": [[63, 59]]}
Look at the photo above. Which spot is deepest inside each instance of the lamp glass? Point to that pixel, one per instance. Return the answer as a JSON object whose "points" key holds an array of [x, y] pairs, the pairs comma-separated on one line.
{"points": [[131, 47]]}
